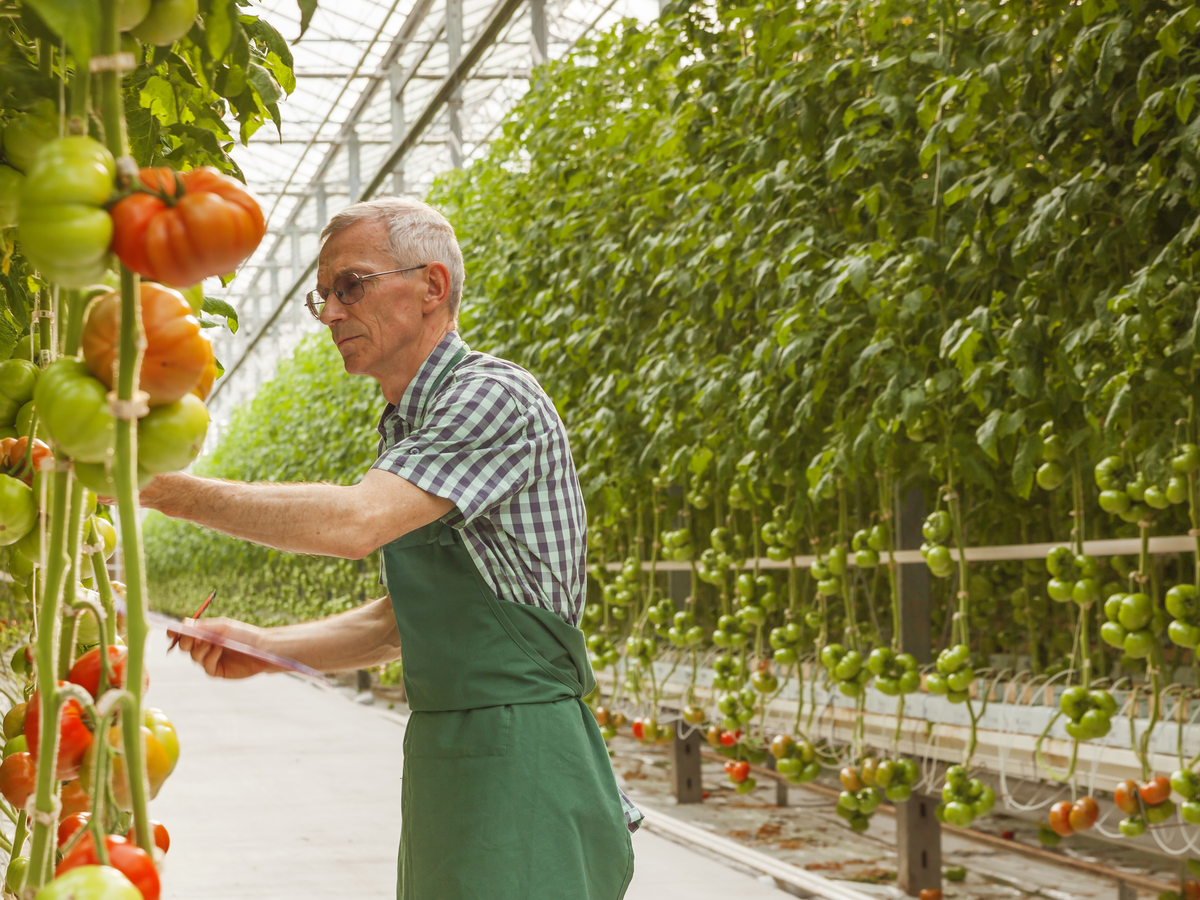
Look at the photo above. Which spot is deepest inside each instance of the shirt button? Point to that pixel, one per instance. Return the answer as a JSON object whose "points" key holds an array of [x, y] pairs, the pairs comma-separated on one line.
{"points": [[413, 450]]}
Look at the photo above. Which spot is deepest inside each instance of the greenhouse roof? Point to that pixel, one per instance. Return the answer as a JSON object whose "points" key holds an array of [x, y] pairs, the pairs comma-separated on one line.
{"points": [[371, 76]]}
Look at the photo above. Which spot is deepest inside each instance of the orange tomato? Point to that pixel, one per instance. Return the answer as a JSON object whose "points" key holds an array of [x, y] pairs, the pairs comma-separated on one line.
{"points": [[74, 800], [176, 352], [204, 386], [18, 779], [208, 228], [1126, 797], [1060, 818], [70, 826], [162, 840], [1084, 813], [1156, 790], [12, 457]]}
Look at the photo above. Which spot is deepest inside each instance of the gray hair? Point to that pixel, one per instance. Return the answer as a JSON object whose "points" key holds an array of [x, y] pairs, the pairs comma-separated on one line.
{"points": [[417, 234]]}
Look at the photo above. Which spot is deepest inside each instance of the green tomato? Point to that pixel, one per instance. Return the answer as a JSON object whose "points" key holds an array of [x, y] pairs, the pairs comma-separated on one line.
{"points": [[898, 793], [27, 347], [18, 510], [960, 680], [1185, 783], [1135, 513], [1187, 459], [1053, 448], [1096, 723], [830, 587], [1184, 635], [880, 660], [64, 230], [1074, 702], [1112, 606], [909, 682], [28, 132], [938, 559], [90, 883], [1060, 562], [935, 683], [936, 527], [17, 378], [1133, 826], [15, 745], [959, 813], [1060, 591], [837, 561], [1156, 498], [1176, 489], [25, 420], [131, 12], [785, 656], [1106, 473], [1181, 601], [1085, 592], [878, 539], [1135, 611], [167, 22], [1114, 502], [866, 559], [1137, 488], [1139, 644], [74, 406], [1160, 812], [1050, 476]]}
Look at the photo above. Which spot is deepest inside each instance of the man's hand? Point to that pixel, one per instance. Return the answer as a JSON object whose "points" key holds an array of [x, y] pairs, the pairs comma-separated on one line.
{"points": [[360, 638], [221, 662]]}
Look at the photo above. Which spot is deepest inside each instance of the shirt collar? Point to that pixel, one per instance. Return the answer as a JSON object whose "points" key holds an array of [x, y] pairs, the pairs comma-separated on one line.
{"points": [[417, 395]]}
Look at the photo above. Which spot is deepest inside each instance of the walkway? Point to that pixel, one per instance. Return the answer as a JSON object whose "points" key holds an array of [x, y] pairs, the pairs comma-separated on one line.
{"points": [[286, 791]]}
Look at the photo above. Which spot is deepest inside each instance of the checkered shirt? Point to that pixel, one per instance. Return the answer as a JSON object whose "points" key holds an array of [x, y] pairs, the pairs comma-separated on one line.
{"points": [[490, 440]]}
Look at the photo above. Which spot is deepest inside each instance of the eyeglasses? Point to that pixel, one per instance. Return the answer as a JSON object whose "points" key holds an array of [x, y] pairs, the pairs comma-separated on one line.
{"points": [[348, 289]]}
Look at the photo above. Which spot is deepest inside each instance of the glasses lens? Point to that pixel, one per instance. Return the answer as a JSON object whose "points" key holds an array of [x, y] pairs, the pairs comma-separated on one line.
{"points": [[314, 303], [348, 289]]}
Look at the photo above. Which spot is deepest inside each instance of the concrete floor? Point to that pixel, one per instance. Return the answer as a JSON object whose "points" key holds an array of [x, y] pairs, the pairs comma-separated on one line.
{"points": [[287, 791]]}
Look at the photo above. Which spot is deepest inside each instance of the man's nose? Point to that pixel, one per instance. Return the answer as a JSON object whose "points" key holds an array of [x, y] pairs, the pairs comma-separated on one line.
{"points": [[332, 311]]}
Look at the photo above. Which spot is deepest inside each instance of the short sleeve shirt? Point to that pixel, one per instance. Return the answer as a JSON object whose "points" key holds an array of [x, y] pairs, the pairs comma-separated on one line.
{"points": [[482, 433]]}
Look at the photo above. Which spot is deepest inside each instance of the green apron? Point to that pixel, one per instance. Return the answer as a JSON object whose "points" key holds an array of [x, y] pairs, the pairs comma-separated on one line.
{"points": [[508, 792]]}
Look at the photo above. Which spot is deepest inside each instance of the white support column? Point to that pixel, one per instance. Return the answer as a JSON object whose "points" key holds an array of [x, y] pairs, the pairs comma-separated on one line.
{"points": [[454, 39], [537, 29], [352, 158], [322, 207], [395, 79]]}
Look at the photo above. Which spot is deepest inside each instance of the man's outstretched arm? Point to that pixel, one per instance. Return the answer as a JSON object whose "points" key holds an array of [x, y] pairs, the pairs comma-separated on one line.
{"points": [[322, 519]]}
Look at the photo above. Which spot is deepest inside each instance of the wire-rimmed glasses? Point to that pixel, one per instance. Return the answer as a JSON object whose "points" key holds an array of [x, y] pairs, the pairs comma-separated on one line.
{"points": [[347, 288]]}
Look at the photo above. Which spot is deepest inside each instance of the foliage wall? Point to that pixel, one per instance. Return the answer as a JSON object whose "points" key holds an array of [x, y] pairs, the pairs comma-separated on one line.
{"points": [[771, 252], [311, 423]]}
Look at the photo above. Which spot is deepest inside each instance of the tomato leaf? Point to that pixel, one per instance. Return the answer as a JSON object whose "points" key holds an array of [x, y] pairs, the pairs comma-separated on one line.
{"points": [[219, 307], [76, 21], [307, 8], [218, 27]]}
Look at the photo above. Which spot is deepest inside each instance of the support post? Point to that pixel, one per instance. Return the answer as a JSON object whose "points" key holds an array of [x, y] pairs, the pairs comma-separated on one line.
{"points": [[685, 768], [918, 833], [352, 159], [454, 39], [322, 207], [396, 82], [537, 31]]}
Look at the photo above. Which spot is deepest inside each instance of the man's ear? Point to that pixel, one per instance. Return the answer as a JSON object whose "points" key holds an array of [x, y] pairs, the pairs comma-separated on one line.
{"points": [[438, 291]]}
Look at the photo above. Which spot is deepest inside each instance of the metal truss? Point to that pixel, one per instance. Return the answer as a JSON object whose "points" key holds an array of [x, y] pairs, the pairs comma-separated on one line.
{"points": [[389, 94]]}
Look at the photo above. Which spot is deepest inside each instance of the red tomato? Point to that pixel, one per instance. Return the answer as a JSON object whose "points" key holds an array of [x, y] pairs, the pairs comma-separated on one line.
{"points": [[18, 779], [211, 229], [728, 738], [639, 728], [1156, 790], [1084, 814], [129, 859], [1060, 818], [1126, 797], [738, 770], [73, 736], [162, 840], [86, 671], [74, 800], [70, 825], [929, 894], [12, 457], [176, 352]]}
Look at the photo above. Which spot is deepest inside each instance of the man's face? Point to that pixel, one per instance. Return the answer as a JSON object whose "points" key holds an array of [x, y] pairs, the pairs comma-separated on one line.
{"points": [[374, 330]]}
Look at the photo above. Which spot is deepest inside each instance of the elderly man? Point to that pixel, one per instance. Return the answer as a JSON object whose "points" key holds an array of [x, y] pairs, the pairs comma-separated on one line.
{"points": [[474, 502]]}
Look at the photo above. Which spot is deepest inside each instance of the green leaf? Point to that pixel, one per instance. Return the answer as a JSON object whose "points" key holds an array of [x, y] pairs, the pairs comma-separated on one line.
{"points": [[986, 435], [219, 307], [1025, 464], [76, 21], [218, 27], [307, 8], [700, 461]]}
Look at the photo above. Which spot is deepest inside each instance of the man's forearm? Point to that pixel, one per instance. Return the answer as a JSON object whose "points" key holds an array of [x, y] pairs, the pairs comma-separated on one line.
{"points": [[323, 519], [357, 639]]}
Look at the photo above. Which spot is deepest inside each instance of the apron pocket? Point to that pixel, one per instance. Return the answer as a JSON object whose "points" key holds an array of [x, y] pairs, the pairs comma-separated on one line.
{"points": [[459, 733]]}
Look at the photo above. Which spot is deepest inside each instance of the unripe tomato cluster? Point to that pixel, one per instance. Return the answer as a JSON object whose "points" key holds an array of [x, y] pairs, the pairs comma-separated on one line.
{"points": [[677, 545], [964, 798], [785, 640], [738, 772], [846, 668], [1073, 578], [1182, 606], [954, 674], [895, 673], [647, 730], [936, 529], [867, 544], [720, 559], [623, 589], [830, 571], [1090, 712], [779, 535], [1132, 624], [796, 760]]}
